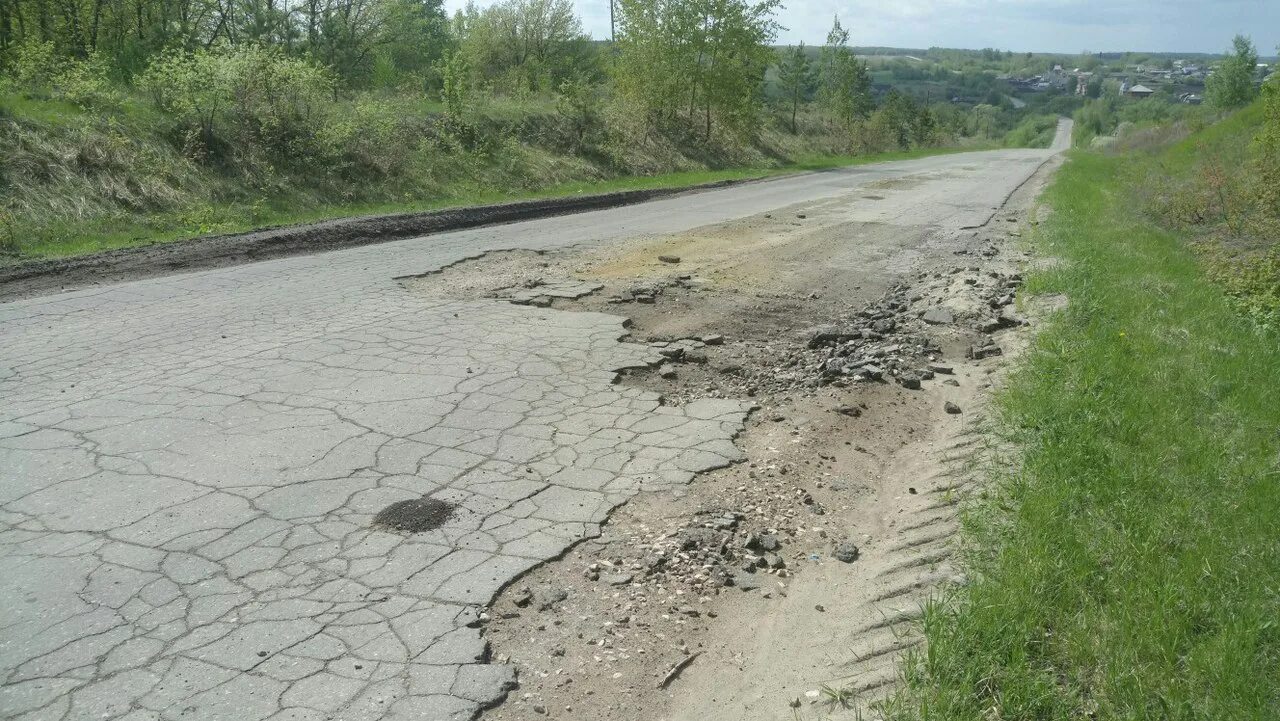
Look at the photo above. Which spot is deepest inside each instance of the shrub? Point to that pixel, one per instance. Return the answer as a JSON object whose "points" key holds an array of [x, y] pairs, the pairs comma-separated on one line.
{"points": [[274, 97], [1093, 119], [38, 70], [35, 65], [1036, 131], [261, 97], [86, 83], [368, 140], [193, 88], [455, 91], [1267, 159], [1255, 288], [579, 103]]}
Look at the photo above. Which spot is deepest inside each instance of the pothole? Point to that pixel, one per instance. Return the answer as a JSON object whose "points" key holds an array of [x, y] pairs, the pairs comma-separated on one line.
{"points": [[718, 332], [415, 515]]}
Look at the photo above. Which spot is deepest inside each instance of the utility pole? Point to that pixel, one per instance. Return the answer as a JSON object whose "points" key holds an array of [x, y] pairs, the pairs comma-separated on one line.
{"points": [[613, 28]]}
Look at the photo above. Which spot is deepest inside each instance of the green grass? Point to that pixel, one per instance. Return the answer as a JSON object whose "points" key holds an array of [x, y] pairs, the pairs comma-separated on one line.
{"points": [[1125, 561], [67, 239]]}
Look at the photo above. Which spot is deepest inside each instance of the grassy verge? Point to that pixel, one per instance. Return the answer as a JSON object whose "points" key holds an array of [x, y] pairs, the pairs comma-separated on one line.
{"points": [[1127, 564], [123, 231]]}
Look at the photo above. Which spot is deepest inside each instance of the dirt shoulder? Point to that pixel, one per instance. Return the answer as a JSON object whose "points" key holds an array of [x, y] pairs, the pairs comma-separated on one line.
{"points": [[870, 349]]}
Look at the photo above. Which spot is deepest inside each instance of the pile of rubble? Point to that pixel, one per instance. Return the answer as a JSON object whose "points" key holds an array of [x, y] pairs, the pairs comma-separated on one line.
{"points": [[647, 293], [888, 341], [750, 548], [879, 344], [715, 550]]}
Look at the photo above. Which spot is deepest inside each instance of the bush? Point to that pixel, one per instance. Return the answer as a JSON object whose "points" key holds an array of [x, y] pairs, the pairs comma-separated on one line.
{"points": [[40, 71], [1036, 131], [276, 98], [369, 139], [259, 97], [192, 88], [1252, 283], [1267, 158], [1219, 189], [578, 102], [86, 83], [455, 92], [1094, 118], [35, 65], [898, 124]]}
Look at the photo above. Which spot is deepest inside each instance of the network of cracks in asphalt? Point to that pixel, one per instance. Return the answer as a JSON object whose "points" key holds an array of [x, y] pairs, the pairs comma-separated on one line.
{"points": [[302, 518]]}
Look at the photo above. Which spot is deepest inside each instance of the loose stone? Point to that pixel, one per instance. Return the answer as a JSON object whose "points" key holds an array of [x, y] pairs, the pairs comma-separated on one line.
{"points": [[846, 552]]}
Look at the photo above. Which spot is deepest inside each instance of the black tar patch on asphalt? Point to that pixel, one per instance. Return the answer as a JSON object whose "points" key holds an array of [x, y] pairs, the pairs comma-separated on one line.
{"points": [[414, 516]]}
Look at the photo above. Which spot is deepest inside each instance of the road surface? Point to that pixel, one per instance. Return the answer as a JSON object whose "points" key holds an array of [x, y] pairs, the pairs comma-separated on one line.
{"points": [[192, 467]]}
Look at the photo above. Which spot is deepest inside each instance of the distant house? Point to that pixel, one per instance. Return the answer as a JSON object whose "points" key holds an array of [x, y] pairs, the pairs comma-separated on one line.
{"points": [[1057, 78], [1140, 91], [1082, 82]]}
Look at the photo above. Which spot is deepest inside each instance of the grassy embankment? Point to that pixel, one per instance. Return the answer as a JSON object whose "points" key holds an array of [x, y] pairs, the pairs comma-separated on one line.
{"points": [[1125, 560], [77, 181]]}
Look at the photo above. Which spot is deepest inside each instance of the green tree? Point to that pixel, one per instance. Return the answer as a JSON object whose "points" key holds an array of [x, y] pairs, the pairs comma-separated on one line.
{"points": [[796, 78], [904, 121], [578, 102], [699, 57], [844, 80], [656, 57], [455, 92], [417, 36], [525, 45], [349, 36], [1231, 84]]}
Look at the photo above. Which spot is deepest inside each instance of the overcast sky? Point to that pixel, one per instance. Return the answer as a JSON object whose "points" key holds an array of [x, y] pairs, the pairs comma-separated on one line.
{"points": [[1063, 26]]}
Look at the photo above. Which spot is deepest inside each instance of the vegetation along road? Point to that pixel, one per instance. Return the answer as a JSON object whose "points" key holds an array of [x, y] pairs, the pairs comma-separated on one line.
{"points": [[363, 361]]}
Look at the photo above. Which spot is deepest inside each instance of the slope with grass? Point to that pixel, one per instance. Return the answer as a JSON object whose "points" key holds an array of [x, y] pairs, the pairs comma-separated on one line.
{"points": [[1125, 560]]}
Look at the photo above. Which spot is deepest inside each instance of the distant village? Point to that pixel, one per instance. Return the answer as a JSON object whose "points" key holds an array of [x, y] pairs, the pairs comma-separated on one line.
{"points": [[1180, 80]]}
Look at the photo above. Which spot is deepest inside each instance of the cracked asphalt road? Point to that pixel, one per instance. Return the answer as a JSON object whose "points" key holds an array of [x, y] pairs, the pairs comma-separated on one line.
{"points": [[190, 466]]}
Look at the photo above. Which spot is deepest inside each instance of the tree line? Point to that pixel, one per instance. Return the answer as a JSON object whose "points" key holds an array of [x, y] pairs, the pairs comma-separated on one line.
{"points": [[700, 63], [349, 37]]}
